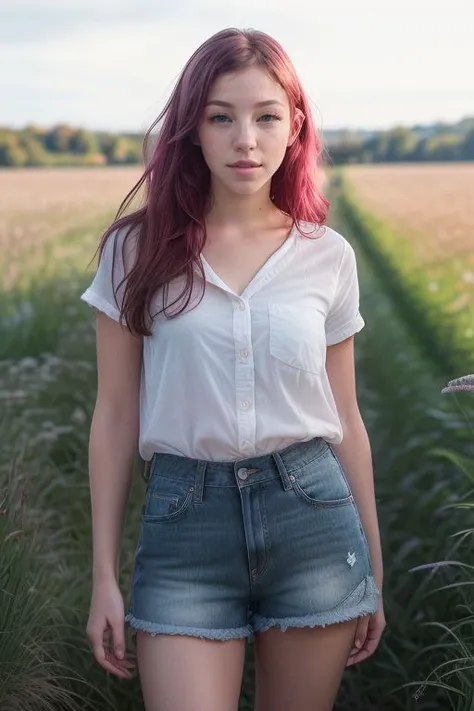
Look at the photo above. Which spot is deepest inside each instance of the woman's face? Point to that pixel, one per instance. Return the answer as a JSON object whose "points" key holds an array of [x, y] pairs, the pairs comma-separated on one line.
{"points": [[247, 118]]}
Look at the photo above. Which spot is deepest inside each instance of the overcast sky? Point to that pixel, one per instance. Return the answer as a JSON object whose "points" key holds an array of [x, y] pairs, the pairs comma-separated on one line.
{"points": [[110, 64]]}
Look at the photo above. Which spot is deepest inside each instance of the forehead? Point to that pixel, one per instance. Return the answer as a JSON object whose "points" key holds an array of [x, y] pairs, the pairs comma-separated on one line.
{"points": [[247, 87]]}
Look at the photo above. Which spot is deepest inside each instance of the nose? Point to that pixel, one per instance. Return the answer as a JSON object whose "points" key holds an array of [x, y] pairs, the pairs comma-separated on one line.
{"points": [[244, 139]]}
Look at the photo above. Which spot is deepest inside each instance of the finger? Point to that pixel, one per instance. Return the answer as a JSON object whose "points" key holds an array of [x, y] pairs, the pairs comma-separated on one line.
{"points": [[124, 667], [369, 643], [119, 663], [354, 650], [359, 641], [363, 653], [104, 658], [128, 658], [118, 638], [360, 636], [120, 673]]}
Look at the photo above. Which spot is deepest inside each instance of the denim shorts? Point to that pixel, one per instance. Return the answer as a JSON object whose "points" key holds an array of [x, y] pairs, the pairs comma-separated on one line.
{"points": [[228, 549]]}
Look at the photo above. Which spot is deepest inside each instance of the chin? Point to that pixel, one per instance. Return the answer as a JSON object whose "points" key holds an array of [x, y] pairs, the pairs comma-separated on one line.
{"points": [[249, 188]]}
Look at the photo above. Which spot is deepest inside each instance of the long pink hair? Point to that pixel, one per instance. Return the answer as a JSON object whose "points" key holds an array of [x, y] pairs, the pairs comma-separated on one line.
{"points": [[170, 226]]}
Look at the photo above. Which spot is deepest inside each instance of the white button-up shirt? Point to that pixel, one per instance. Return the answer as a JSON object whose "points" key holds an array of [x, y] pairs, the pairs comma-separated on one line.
{"points": [[240, 376]]}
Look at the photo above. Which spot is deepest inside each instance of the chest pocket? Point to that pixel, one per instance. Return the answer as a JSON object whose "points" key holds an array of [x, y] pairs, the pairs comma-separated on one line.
{"points": [[297, 337]]}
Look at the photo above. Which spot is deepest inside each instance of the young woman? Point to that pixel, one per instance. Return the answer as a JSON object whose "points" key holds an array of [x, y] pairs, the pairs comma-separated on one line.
{"points": [[226, 314]]}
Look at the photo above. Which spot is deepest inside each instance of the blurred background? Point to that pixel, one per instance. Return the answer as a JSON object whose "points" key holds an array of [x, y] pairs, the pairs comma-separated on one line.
{"points": [[393, 96]]}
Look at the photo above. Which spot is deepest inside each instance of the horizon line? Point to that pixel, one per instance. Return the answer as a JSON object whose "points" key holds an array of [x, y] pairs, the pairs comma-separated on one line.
{"points": [[25, 125]]}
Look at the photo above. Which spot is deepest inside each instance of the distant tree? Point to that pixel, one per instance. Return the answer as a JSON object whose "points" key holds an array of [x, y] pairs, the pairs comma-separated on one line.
{"points": [[11, 153], [30, 142], [122, 150], [39, 133], [349, 150], [377, 147], [468, 146], [58, 140], [83, 142], [443, 146], [400, 144]]}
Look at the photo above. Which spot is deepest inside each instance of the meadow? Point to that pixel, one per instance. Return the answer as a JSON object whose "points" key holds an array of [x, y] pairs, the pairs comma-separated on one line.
{"points": [[40, 208], [419, 219], [422, 444]]}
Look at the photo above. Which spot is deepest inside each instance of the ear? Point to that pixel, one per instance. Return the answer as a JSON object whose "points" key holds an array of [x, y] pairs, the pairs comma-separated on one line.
{"points": [[298, 121]]}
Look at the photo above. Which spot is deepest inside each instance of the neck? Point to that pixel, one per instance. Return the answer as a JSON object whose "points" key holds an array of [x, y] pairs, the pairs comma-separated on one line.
{"points": [[242, 210]]}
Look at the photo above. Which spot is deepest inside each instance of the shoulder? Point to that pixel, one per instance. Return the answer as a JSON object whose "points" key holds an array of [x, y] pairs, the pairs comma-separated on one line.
{"points": [[121, 246], [324, 240]]}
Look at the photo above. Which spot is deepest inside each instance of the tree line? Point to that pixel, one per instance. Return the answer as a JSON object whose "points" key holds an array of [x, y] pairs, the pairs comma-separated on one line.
{"points": [[439, 142], [66, 145]]}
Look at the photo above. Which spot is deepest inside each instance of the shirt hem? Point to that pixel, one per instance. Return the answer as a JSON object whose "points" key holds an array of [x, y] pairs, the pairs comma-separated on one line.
{"points": [[350, 329], [95, 301]]}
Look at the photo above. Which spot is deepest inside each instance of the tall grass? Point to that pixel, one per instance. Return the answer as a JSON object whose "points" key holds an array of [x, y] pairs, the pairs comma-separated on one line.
{"points": [[421, 497], [442, 332], [47, 391]]}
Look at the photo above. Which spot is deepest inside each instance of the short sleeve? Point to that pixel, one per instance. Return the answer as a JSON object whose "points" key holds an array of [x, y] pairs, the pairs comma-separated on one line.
{"points": [[344, 319], [110, 272]]}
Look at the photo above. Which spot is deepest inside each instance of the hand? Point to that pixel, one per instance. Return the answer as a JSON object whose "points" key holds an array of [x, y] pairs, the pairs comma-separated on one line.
{"points": [[106, 630], [368, 632]]}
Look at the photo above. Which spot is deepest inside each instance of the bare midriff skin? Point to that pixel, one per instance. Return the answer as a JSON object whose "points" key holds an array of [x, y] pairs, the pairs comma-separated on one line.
{"points": [[236, 259]]}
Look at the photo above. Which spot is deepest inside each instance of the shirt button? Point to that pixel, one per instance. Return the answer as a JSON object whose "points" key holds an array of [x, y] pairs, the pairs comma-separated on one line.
{"points": [[242, 306], [246, 404], [244, 352], [242, 473]]}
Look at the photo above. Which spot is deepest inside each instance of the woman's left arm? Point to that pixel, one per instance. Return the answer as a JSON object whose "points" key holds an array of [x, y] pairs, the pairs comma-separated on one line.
{"points": [[354, 452]]}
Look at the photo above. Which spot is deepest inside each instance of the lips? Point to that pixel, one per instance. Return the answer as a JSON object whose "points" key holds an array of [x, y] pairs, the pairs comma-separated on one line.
{"points": [[245, 164]]}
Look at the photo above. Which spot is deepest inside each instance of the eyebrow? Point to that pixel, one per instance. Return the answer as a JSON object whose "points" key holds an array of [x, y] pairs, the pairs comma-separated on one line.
{"points": [[259, 103]]}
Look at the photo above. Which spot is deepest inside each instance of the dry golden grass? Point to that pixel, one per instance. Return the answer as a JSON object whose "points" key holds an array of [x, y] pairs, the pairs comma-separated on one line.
{"points": [[433, 203], [38, 205], [430, 208]]}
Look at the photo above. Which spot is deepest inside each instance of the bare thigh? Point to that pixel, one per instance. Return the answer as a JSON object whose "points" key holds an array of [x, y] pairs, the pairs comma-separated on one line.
{"points": [[301, 669], [183, 673]]}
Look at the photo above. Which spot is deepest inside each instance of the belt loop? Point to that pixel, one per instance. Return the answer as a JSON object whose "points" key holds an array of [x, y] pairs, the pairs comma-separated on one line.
{"points": [[147, 469], [199, 480], [282, 470]]}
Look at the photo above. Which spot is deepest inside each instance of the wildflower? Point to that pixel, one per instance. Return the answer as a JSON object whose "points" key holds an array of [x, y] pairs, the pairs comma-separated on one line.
{"points": [[465, 382]]}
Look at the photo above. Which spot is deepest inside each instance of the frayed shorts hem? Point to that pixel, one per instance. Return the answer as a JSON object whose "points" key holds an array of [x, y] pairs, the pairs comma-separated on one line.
{"points": [[216, 634], [361, 602]]}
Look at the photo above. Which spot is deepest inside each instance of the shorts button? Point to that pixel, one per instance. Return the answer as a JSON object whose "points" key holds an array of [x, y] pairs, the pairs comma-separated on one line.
{"points": [[242, 474]]}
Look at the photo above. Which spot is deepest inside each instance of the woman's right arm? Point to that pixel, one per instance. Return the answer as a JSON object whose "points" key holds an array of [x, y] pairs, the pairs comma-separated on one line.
{"points": [[112, 446], [113, 440]]}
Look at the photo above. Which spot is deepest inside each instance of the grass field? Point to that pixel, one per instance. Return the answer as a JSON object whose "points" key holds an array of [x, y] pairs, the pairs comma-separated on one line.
{"points": [[417, 225], [430, 207], [37, 206], [53, 219]]}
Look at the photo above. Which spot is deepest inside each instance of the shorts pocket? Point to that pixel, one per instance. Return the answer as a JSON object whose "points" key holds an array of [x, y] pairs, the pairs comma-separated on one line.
{"points": [[322, 482], [297, 337], [167, 499]]}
